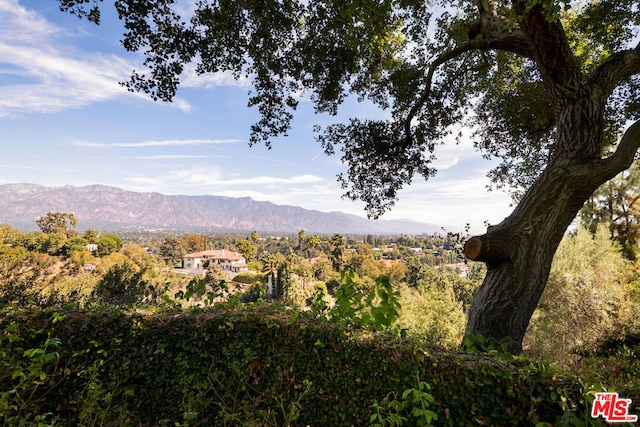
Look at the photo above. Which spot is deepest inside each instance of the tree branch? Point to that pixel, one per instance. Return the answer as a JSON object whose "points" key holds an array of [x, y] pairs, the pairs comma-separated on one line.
{"points": [[618, 67], [624, 155], [492, 248], [499, 243], [556, 62], [426, 92], [510, 41]]}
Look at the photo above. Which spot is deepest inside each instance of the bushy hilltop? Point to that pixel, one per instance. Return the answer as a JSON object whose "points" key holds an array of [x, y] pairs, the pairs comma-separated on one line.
{"points": [[60, 267], [260, 366], [368, 327], [590, 297]]}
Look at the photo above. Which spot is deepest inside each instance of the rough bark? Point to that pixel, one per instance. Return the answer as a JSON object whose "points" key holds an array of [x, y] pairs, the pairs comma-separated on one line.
{"points": [[519, 250], [519, 255]]}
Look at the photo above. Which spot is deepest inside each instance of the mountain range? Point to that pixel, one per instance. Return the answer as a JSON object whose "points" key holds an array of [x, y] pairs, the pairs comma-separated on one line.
{"points": [[104, 207]]}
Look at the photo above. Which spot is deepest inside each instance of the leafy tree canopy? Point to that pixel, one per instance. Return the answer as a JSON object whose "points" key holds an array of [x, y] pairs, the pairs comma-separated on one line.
{"points": [[615, 205], [431, 64], [194, 243], [91, 235], [108, 244], [122, 284], [56, 222], [338, 247], [314, 240], [247, 249], [8, 234], [171, 250]]}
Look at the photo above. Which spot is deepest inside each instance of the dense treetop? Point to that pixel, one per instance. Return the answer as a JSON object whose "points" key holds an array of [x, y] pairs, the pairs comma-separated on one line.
{"points": [[430, 64]]}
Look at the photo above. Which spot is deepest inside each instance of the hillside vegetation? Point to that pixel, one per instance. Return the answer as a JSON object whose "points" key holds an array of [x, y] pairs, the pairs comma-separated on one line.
{"points": [[261, 367], [356, 331]]}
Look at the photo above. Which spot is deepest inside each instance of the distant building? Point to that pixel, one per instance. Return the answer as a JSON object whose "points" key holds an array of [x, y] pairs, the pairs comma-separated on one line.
{"points": [[92, 247], [461, 268], [230, 262]]}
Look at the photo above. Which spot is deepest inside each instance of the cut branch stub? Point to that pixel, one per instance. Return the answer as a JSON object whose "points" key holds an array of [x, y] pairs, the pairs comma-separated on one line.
{"points": [[488, 249], [473, 248]]}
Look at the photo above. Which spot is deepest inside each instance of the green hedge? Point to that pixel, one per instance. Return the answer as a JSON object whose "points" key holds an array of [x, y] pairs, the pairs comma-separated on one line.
{"points": [[253, 367]]}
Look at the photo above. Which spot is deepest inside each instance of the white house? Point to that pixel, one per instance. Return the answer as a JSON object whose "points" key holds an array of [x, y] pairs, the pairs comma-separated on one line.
{"points": [[230, 262]]}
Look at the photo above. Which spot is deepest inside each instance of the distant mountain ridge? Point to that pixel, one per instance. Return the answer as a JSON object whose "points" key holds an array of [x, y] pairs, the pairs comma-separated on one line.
{"points": [[22, 204]]}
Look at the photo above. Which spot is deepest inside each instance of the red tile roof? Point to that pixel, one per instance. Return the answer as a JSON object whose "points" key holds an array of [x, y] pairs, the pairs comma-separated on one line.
{"points": [[217, 254]]}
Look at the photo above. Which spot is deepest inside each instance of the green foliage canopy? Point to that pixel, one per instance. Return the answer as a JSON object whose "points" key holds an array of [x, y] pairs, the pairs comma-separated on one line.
{"points": [[8, 234], [108, 244], [585, 300], [171, 250], [247, 250], [338, 246], [429, 64], [56, 222], [615, 205], [122, 284]]}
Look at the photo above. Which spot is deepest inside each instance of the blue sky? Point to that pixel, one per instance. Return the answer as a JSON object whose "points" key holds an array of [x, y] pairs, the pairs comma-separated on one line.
{"points": [[65, 120]]}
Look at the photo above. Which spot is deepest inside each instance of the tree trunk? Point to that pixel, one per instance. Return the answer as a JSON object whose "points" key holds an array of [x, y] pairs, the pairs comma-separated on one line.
{"points": [[519, 251]]}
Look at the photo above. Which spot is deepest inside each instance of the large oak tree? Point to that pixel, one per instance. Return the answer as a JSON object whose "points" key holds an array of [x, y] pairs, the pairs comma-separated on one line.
{"points": [[548, 86]]}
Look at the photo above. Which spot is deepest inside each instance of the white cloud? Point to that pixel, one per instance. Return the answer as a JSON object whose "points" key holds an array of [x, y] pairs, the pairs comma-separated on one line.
{"points": [[274, 181], [23, 25], [20, 167], [44, 73], [56, 82], [43, 78], [40, 168], [211, 179], [172, 157], [216, 179], [156, 143], [453, 202], [450, 153], [181, 104], [306, 201], [192, 79]]}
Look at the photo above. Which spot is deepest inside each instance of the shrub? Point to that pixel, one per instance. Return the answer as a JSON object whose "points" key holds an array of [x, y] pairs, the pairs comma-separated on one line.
{"points": [[250, 278], [238, 367], [121, 285], [432, 315], [584, 301]]}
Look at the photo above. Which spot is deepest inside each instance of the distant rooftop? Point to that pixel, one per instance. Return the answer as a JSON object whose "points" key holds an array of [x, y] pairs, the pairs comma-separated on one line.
{"points": [[216, 254]]}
